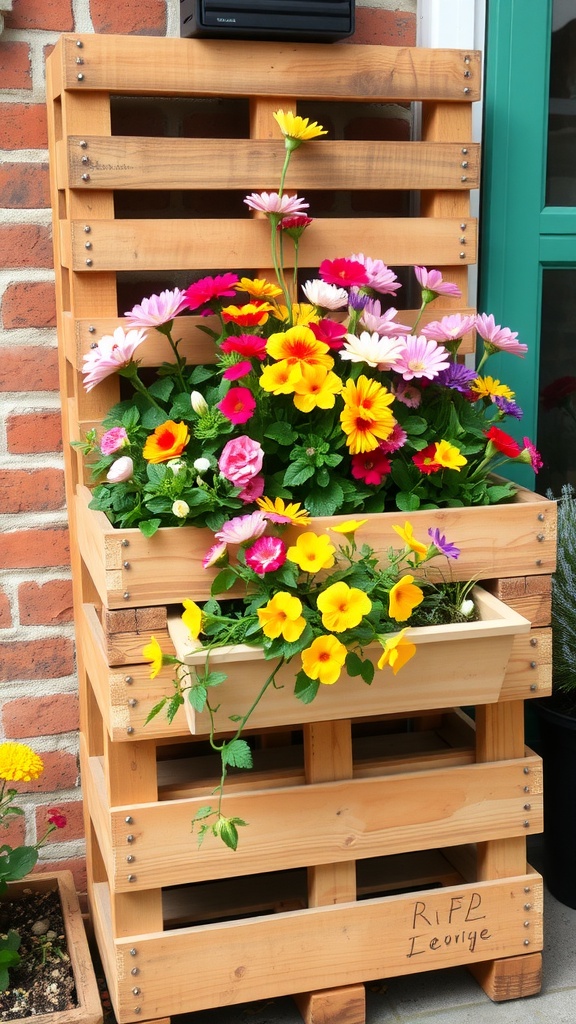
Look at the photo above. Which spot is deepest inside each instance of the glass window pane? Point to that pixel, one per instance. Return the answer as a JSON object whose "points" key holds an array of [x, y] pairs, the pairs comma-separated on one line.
{"points": [[561, 171], [557, 415]]}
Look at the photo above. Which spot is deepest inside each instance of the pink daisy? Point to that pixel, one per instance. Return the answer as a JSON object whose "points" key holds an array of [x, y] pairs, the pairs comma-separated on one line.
{"points": [[498, 338], [112, 353], [237, 370], [396, 440], [158, 309], [238, 405], [375, 320], [421, 358], [209, 288], [449, 328], [248, 345], [266, 555], [242, 529], [380, 277], [345, 272], [432, 284], [271, 202]]}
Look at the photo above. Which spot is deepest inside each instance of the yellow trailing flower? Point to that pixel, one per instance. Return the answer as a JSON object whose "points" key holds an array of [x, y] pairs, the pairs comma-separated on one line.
{"points": [[282, 616], [316, 389], [153, 653], [312, 552], [404, 597], [258, 288], [192, 618], [297, 130], [449, 456], [324, 659], [299, 347], [396, 651], [343, 607], [19, 763], [407, 535], [277, 511], [279, 378]]}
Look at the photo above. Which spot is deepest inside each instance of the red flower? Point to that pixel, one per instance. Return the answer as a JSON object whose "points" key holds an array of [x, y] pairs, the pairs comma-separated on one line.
{"points": [[330, 332], [426, 460], [503, 442], [248, 345], [343, 272], [371, 467], [208, 288], [55, 817]]}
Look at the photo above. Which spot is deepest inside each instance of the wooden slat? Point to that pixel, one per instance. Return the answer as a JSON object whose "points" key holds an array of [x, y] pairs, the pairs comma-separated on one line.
{"points": [[189, 67], [165, 163], [230, 245]]}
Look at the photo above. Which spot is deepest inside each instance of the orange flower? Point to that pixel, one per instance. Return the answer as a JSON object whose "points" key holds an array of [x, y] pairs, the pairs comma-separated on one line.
{"points": [[366, 417], [298, 347], [167, 441]]}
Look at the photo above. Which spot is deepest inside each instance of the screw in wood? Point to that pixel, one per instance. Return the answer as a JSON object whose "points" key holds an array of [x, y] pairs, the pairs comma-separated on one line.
{"points": [[80, 77], [128, 680], [126, 595], [126, 565], [79, 44]]}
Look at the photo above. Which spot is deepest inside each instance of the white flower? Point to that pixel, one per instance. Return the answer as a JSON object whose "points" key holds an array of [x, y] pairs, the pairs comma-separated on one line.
{"points": [[121, 470], [180, 509], [329, 296], [176, 465], [467, 607], [372, 350], [202, 465], [198, 403]]}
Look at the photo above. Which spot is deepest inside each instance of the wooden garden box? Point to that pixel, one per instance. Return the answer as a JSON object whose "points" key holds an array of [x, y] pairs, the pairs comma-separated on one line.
{"points": [[283, 914]]}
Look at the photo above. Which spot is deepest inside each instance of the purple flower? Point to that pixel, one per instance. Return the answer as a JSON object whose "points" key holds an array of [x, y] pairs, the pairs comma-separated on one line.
{"points": [[457, 377], [508, 407], [445, 547]]}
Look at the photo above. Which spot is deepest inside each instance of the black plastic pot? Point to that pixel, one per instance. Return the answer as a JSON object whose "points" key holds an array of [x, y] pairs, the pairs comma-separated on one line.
{"points": [[558, 747]]}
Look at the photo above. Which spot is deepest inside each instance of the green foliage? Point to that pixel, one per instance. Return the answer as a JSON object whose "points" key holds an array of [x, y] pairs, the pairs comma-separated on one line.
{"points": [[9, 957]]}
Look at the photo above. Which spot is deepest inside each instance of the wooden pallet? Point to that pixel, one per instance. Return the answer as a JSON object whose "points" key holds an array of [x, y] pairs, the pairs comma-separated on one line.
{"points": [[158, 904]]}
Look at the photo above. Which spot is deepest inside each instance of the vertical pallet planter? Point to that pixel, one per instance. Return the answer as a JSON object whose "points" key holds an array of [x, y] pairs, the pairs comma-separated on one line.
{"points": [[254, 923]]}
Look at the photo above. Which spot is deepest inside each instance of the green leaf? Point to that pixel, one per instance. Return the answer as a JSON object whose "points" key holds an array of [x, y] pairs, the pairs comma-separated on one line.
{"points": [[282, 433], [156, 710], [214, 678], [225, 579], [305, 688], [298, 473], [226, 829], [152, 418], [407, 502], [324, 501], [237, 754], [149, 526], [367, 671], [14, 864], [202, 812], [175, 702], [353, 664], [197, 697], [162, 388]]}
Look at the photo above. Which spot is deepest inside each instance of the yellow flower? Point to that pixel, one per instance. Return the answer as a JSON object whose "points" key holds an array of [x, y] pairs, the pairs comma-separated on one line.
{"points": [[316, 389], [397, 651], [278, 512], [366, 417], [488, 387], [279, 378], [19, 763], [153, 653], [298, 347], [192, 618], [312, 552], [298, 129], [405, 532], [324, 659], [449, 456], [349, 527], [258, 288], [282, 616], [404, 597], [168, 440], [343, 607]]}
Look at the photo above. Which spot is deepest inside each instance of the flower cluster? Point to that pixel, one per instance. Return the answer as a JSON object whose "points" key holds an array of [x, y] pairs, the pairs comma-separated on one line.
{"points": [[329, 401], [333, 606]]}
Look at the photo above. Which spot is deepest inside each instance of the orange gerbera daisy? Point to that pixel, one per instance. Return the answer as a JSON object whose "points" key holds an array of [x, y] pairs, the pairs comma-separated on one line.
{"points": [[298, 347], [366, 418]]}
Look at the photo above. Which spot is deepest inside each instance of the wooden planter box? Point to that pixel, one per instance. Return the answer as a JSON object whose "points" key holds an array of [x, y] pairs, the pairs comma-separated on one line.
{"points": [[89, 1008]]}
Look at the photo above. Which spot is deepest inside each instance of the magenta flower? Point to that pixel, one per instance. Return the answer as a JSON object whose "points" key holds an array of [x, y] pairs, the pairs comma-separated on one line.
{"points": [[421, 358], [294, 226], [432, 284], [112, 353], [383, 323], [396, 440], [242, 529], [536, 460], [113, 440], [449, 328], [498, 338], [240, 460], [444, 546], [409, 395], [266, 555], [158, 309], [250, 346], [254, 489], [371, 467], [330, 332], [237, 370], [55, 817], [237, 405], [271, 202], [208, 288], [380, 277], [345, 272], [216, 555], [121, 470]]}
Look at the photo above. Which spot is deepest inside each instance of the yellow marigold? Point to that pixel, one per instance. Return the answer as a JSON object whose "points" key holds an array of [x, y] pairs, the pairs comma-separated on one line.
{"points": [[312, 552], [258, 288], [324, 659], [299, 347], [343, 607], [19, 763], [366, 418], [396, 651], [192, 618], [406, 533], [153, 653], [278, 511], [403, 598], [282, 616], [298, 129], [488, 387], [168, 440]]}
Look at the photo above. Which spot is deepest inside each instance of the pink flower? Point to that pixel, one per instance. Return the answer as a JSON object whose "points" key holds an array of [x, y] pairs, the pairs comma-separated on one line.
{"points": [[432, 284], [158, 309], [242, 529], [330, 332], [294, 226], [449, 328], [346, 272], [241, 459], [266, 555], [421, 358], [254, 489], [121, 470], [113, 440], [112, 353], [237, 370], [396, 440], [407, 394], [497, 337], [271, 202], [375, 320], [371, 467], [237, 405], [380, 277], [328, 296], [217, 555], [209, 288], [248, 345], [536, 460], [54, 816]]}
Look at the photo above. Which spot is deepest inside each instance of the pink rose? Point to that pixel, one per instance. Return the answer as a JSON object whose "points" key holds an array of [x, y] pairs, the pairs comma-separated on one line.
{"points": [[240, 460], [113, 440], [254, 489]]}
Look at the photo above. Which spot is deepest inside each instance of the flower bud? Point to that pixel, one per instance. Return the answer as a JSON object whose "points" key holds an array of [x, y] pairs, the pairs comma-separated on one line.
{"points": [[198, 403], [467, 607], [176, 465], [121, 470], [202, 465], [180, 509]]}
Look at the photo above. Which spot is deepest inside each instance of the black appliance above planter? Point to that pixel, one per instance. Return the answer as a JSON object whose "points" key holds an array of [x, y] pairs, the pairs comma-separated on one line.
{"points": [[320, 21]]}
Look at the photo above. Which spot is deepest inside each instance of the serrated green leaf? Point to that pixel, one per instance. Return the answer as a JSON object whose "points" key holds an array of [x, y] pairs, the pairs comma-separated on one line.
{"points": [[298, 473], [237, 754], [202, 812], [175, 702], [282, 433], [156, 710], [162, 388], [214, 678], [149, 527]]}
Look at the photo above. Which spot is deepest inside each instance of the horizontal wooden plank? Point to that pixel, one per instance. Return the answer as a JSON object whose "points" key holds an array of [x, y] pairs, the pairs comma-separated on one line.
{"points": [[242, 244], [321, 947], [193, 67], [125, 162]]}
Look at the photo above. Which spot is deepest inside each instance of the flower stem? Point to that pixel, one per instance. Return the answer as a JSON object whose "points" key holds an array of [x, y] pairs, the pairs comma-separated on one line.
{"points": [[138, 386]]}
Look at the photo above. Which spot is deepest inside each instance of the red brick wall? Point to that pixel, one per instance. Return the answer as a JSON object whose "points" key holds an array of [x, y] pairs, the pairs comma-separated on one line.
{"points": [[38, 699]]}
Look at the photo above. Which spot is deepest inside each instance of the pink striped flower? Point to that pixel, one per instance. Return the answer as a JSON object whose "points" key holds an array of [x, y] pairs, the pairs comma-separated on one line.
{"points": [[112, 353], [432, 284], [271, 202], [158, 309], [266, 555]]}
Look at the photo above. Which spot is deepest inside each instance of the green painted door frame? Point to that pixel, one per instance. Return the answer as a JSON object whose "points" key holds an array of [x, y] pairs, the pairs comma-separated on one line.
{"points": [[519, 236]]}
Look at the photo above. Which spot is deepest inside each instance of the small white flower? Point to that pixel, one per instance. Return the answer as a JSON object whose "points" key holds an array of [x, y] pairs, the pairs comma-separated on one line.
{"points": [[180, 509], [328, 296], [372, 350], [202, 465], [467, 607], [176, 465], [198, 403], [121, 470]]}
